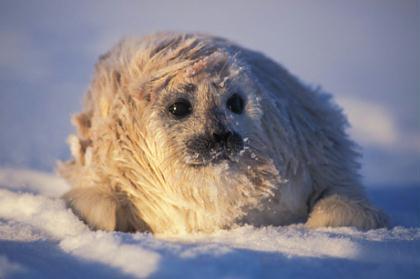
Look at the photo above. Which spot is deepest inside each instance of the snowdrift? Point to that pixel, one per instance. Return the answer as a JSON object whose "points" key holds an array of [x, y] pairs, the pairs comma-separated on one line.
{"points": [[41, 238]]}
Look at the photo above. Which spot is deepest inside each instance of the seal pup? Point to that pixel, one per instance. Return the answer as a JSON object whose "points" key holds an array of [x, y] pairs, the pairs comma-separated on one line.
{"points": [[185, 133]]}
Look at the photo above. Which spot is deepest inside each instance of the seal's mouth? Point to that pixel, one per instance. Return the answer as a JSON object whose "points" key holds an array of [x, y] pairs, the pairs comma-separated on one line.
{"points": [[217, 157], [204, 150]]}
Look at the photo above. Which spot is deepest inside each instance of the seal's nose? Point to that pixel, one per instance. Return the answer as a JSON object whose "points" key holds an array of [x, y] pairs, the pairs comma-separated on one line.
{"points": [[219, 132], [231, 141]]}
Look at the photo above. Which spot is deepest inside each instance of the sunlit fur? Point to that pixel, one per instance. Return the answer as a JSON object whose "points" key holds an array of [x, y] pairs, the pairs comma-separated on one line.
{"points": [[131, 170]]}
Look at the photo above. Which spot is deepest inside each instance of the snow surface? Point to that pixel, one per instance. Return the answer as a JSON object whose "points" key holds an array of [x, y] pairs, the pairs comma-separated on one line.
{"points": [[41, 238]]}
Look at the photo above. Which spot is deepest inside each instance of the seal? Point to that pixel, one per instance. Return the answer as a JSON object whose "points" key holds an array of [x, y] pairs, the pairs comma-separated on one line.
{"points": [[185, 133]]}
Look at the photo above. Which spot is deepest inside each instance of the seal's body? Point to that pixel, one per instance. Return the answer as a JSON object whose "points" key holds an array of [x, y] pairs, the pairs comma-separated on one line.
{"points": [[188, 132]]}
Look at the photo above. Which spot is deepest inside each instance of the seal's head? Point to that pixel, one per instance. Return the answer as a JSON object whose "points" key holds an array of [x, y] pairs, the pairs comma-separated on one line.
{"points": [[207, 117]]}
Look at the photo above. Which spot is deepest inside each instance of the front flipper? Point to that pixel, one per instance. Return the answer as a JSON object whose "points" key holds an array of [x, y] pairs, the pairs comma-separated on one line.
{"points": [[339, 211], [104, 210]]}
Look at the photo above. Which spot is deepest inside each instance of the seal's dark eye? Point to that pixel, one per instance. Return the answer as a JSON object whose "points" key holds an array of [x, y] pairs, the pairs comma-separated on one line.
{"points": [[235, 104], [180, 108]]}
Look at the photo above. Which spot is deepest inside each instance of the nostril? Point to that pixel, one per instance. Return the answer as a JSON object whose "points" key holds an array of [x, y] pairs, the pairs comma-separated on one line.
{"points": [[226, 136], [218, 137]]}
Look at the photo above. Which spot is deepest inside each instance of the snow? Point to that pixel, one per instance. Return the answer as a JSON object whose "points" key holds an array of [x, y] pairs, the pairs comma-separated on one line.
{"points": [[41, 238], [45, 69]]}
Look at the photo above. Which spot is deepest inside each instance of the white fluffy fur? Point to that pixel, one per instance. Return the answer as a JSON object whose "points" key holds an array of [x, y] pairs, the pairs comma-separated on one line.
{"points": [[128, 174]]}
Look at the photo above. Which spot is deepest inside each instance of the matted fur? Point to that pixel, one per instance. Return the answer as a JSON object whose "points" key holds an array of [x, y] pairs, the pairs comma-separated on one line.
{"points": [[131, 171]]}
